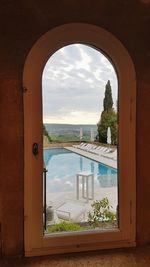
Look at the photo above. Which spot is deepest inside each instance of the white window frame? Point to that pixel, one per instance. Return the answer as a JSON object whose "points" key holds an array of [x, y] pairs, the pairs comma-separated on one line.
{"points": [[35, 243]]}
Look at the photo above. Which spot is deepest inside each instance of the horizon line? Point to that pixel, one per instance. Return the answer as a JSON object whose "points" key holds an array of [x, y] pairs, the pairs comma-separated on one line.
{"points": [[70, 123]]}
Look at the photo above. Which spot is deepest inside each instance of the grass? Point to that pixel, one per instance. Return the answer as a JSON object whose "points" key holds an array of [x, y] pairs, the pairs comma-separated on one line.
{"points": [[64, 227]]}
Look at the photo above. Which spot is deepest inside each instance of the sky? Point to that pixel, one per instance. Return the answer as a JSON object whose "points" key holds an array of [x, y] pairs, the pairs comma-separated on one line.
{"points": [[73, 85]]}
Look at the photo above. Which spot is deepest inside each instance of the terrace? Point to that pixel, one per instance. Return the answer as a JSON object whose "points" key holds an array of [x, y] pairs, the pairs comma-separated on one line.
{"points": [[72, 206]]}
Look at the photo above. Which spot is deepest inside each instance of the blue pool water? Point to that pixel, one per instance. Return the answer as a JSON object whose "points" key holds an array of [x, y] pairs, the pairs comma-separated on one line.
{"points": [[63, 165]]}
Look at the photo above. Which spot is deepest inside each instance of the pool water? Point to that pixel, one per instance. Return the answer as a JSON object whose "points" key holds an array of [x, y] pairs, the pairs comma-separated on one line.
{"points": [[63, 165]]}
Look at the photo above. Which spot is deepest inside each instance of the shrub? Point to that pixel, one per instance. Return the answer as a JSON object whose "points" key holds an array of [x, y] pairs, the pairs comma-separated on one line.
{"points": [[101, 213], [64, 226]]}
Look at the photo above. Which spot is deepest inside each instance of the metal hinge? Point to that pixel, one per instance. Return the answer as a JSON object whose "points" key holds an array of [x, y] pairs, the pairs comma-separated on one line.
{"points": [[131, 104], [24, 89], [24, 215], [1, 242], [130, 212]]}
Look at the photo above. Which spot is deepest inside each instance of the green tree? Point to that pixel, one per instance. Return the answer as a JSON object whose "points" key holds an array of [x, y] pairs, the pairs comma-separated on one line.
{"points": [[108, 101], [45, 133], [108, 118]]}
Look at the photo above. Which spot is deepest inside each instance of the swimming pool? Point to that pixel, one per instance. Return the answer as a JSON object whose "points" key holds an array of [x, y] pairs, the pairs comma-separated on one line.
{"points": [[63, 165]]}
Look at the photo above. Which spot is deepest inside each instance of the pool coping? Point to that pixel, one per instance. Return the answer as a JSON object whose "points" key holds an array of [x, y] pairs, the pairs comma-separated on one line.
{"points": [[98, 158]]}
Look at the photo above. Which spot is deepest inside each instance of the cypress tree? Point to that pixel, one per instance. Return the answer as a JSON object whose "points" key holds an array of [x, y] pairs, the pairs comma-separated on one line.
{"points": [[108, 118], [108, 101]]}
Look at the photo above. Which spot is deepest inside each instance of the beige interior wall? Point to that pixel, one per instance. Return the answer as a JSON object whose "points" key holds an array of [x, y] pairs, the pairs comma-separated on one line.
{"points": [[22, 23]]}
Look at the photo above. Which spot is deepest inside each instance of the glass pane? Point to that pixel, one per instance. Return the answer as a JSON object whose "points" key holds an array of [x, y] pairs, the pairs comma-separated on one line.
{"points": [[80, 135]]}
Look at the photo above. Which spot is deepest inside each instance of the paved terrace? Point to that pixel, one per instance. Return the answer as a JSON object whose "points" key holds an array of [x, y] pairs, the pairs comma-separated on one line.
{"points": [[98, 158], [99, 192]]}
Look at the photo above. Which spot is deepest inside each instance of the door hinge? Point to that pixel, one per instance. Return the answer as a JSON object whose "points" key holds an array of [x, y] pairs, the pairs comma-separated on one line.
{"points": [[130, 212], [24, 89], [1, 241], [131, 109]]}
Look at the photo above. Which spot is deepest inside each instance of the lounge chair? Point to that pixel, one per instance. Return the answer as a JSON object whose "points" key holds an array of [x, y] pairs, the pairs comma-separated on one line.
{"points": [[80, 145], [90, 147], [101, 150], [71, 212], [85, 147], [111, 155]]}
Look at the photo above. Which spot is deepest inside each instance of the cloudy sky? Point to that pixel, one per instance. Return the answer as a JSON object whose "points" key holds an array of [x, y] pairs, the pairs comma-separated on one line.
{"points": [[73, 85]]}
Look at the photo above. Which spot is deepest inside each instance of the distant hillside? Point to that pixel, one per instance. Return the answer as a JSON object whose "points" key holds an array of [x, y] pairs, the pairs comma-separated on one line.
{"points": [[55, 128], [71, 132]]}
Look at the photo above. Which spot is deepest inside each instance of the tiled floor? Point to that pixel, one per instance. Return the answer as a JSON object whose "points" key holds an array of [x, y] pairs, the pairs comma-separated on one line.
{"points": [[131, 257]]}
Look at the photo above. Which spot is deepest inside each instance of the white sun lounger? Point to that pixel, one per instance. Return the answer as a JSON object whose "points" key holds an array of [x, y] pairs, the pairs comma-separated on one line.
{"points": [[101, 150], [111, 155], [71, 212], [86, 147], [80, 145], [90, 147]]}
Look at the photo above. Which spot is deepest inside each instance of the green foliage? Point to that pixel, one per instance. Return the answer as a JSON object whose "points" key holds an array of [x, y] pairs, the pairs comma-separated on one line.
{"points": [[101, 213], [69, 137], [64, 226], [108, 118], [108, 101], [45, 133]]}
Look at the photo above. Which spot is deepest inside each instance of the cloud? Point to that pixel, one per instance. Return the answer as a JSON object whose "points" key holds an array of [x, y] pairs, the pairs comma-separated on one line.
{"points": [[73, 85]]}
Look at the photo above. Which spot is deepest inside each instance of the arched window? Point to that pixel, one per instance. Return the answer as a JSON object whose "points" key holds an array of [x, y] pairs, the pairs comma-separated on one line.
{"points": [[124, 235]]}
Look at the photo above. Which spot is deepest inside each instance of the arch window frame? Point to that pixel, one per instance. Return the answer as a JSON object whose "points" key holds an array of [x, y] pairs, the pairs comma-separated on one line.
{"points": [[34, 241]]}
